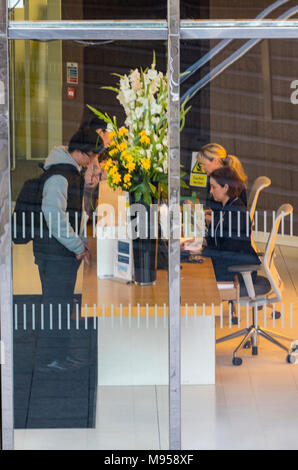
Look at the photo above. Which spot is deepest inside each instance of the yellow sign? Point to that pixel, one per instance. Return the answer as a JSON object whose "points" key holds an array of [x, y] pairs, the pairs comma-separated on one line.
{"points": [[198, 180], [198, 176], [197, 168]]}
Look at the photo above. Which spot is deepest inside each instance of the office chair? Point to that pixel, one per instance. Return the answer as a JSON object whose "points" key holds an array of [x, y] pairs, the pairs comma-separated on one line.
{"points": [[265, 290], [259, 184]]}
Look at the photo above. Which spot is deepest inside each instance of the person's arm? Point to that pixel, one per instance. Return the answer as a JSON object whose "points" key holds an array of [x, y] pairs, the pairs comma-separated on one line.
{"points": [[54, 205]]}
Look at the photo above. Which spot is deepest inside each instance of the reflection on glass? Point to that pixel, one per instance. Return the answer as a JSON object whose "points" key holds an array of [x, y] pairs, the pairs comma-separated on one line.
{"points": [[90, 318], [243, 110], [20, 10], [244, 93], [228, 9]]}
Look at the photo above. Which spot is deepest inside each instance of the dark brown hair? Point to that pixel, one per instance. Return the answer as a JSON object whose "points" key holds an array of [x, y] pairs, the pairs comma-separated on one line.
{"points": [[227, 175]]}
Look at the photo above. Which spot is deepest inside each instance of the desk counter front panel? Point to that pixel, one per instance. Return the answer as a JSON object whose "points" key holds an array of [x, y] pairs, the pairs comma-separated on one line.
{"points": [[133, 325]]}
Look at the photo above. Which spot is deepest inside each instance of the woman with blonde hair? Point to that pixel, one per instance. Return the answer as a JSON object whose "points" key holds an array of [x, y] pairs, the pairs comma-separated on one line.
{"points": [[213, 156]]}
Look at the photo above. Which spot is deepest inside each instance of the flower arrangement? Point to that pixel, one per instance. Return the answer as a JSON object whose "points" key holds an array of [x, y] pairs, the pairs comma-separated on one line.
{"points": [[138, 151]]}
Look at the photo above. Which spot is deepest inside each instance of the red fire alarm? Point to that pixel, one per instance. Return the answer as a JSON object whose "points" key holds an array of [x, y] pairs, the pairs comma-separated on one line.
{"points": [[71, 92]]}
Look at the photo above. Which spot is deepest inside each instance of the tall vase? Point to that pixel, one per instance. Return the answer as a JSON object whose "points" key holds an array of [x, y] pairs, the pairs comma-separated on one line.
{"points": [[144, 250]]}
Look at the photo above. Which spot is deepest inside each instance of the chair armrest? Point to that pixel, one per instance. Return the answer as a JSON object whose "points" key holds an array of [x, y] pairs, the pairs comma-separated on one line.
{"points": [[245, 268]]}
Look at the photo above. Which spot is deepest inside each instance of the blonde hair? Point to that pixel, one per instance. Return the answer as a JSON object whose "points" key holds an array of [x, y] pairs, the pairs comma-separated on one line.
{"points": [[212, 151]]}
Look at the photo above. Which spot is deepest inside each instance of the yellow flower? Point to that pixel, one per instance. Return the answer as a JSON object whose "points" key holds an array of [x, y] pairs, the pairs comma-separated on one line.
{"points": [[146, 163], [127, 178], [122, 146], [113, 170], [113, 152], [143, 133], [122, 132], [113, 143], [116, 178], [129, 158], [112, 134], [108, 164], [145, 140], [130, 166]]}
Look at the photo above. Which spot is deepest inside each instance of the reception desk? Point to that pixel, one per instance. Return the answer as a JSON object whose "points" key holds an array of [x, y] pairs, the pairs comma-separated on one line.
{"points": [[133, 326]]}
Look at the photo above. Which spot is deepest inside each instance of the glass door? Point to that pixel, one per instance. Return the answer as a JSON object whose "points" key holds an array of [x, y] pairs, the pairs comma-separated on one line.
{"points": [[92, 372], [242, 94]]}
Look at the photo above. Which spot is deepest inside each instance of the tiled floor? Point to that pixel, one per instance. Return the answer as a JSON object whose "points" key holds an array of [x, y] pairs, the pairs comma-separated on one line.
{"points": [[254, 406]]}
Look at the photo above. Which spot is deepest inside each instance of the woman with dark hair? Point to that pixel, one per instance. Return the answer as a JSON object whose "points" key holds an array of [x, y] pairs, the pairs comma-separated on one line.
{"points": [[229, 237]]}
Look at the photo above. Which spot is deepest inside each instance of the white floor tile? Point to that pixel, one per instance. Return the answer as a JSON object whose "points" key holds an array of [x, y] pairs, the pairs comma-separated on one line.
{"points": [[254, 406]]}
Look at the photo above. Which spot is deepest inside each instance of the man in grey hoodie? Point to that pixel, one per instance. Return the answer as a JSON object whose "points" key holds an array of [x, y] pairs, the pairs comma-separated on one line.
{"points": [[59, 252]]}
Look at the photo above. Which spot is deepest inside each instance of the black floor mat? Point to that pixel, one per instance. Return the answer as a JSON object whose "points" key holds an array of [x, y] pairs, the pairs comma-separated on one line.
{"points": [[51, 399]]}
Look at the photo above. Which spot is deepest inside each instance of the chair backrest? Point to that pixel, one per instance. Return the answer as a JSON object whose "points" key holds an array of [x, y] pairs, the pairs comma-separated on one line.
{"points": [[268, 260], [260, 183]]}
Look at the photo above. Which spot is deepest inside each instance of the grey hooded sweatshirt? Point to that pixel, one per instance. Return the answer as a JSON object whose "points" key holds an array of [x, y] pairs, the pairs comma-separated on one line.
{"points": [[54, 203]]}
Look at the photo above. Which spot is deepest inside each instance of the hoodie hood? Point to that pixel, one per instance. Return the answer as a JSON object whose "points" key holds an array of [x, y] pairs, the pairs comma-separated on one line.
{"points": [[60, 155]]}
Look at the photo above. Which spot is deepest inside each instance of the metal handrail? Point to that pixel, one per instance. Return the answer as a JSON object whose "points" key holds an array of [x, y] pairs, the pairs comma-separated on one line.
{"points": [[230, 60], [222, 44]]}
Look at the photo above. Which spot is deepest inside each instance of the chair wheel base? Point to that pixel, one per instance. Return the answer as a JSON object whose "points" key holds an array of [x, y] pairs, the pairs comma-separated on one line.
{"points": [[236, 361], [234, 320], [275, 315], [291, 358], [254, 350]]}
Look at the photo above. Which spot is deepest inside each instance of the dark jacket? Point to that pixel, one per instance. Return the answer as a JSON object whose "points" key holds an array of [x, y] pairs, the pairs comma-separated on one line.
{"points": [[229, 240], [49, 246]]}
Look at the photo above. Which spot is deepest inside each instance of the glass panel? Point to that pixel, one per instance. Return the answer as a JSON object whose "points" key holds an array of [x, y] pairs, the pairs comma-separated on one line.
{"points": [[20, 10], [243, 109], [90, 339], [229, 9]]}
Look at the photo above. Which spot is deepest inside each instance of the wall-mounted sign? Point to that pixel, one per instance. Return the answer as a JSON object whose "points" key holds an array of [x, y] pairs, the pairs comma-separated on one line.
{"points": [[72, 73], [71, 92], [198, 176]]}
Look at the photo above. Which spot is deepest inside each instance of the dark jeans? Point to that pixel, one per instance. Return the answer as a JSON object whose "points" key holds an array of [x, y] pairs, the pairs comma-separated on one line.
{"points": [[221, 265], [58, 278]]}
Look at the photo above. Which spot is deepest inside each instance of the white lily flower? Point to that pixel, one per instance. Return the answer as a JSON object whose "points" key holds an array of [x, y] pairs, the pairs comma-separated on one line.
{"points": [[135, 80], [152, 74], [124, 83], [129, 96], [139, 111], [155, 108]]}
